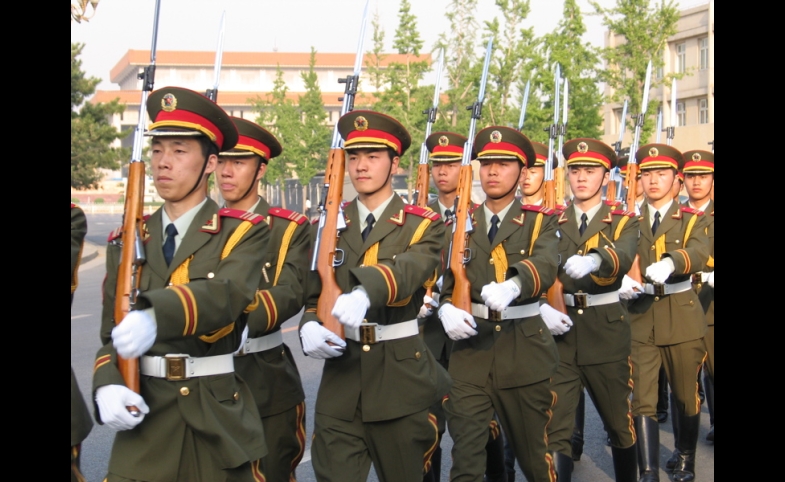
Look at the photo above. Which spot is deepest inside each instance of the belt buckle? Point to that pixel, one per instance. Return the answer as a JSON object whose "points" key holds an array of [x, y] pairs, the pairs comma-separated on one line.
{"points": [[176, 367], [697, 278], [495, 316], [581, 300], [368, 333], [660, 289]]}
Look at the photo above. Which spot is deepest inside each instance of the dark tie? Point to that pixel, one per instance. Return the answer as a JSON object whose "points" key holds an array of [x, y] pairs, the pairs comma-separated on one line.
{"points": [[369, 220], [584, 223], [171, 232], [494, 228], [447, 214], [656, 223]]}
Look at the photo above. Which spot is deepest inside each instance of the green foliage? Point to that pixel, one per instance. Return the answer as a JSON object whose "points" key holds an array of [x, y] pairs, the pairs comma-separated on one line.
{"points": [[91, 132], [314, 135], [75, 200], [99, 200], [646, 28], [121, 200], [375, 58]]}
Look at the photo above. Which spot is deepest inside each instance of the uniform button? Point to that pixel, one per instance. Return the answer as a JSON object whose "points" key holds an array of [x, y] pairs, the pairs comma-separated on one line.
{"points": [[171, 284], [580, 251], [622, 317], [490, 260], [268, 265], [656, 298], [699, 285], [418, 355], [677, 241], [540, 331], [365, 321], [692, 302], [498, 328], [362, 266], [210, 275], [523, 251], [394, 256], [236, 396], [366, 348], [580, 312], [185, 391], [653, 248], [283, 352]]}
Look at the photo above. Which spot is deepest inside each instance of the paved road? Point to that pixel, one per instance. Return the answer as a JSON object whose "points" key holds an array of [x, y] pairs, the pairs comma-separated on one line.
{"points": [[595, 466]]}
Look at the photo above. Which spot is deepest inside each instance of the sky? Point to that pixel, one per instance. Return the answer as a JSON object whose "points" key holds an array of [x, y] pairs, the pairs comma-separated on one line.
{"points": [[285, 25]]}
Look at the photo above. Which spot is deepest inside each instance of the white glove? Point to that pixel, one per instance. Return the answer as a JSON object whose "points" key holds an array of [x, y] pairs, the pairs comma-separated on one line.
{"points": [[557, 322], [315, 340], [350, 308], [458, 324], [710, 279], [498, 296], [113, 402], [243, 339], [630, 289], [579, 266], [660, 271], [135, 334], [426, 309]]}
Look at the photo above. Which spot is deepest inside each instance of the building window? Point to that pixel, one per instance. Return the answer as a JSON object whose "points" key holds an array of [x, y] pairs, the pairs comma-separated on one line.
{"points": [[704, 53], [681, 58], [660, 73], [681, 113], [704, 111]]}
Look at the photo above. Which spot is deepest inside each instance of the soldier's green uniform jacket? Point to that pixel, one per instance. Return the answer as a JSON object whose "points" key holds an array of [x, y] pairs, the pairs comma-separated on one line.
{"points": [[676, 318], [272, 374], [433, 331], [525, 353], [196, 302], [600, 334], [396, 377], [706, 292], [81, 423]]}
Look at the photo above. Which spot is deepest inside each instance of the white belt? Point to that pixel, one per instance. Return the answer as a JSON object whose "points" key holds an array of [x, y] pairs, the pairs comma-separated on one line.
{"points": [[183, 367], [263, 343], [371, 333], [667, 288], [509, 313], [584, 300]]}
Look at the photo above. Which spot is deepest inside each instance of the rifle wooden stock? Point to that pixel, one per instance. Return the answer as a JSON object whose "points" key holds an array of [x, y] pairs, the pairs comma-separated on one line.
{"points": [[560, 188], [556, 291], [328, 246], [132, 223], [610, 193], [632, 195], [423, 179], [462, 291]]}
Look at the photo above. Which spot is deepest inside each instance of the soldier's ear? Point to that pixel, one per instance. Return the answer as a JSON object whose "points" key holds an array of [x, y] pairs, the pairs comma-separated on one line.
{"points": [[262, 170]]}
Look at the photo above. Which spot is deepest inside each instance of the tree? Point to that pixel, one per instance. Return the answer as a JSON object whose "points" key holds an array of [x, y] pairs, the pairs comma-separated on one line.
{"points": [[646, 29], [375, 58], [91, 132]]}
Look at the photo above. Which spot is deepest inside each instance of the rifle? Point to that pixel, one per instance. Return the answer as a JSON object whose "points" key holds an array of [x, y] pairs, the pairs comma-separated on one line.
{"points": [[326, 254], [460, 254], [613, 193], [132, 256], [558, 172], [524, 104], [212, 94], [632, 168], [556, 291], [423, 178]]}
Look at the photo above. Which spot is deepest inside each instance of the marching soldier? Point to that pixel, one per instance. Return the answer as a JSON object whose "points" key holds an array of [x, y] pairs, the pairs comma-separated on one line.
{"points": [[197, 417], [81, 423], [598, 245], [263, 360], [378, 385], [668, 324], [533, 183], [503, 356]]}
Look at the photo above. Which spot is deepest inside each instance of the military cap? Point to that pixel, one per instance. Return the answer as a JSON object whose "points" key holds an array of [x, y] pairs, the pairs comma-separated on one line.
{"points": [[498, 142], [541, 150], [589, 152], [254, 139], [181, 112], [445, 146], [365, 129], [659, 156], [698, 162]]}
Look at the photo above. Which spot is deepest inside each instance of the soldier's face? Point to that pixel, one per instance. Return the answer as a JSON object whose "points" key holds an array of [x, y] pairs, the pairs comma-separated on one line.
{"points": [[500, 177], [532, 181], [657, 183], [699, 186], [370, 170], [586, 182], [445, 175], [177, 163], [235, 175]]}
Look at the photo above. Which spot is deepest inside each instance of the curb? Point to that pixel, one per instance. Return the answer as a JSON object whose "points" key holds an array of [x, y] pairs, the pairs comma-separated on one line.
{"points": [[89, 252]]}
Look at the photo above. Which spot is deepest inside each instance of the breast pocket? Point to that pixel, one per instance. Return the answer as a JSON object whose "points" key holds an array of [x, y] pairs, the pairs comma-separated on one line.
{"points": [[516, 251], [202, 268]]}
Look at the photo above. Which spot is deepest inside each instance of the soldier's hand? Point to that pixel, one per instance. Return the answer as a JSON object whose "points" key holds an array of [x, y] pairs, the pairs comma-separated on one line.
{"points": [[557, 322], [315, 340], [135, 334], [350, 308], [498, 296], [113, 402], [710, 279], [630, 289], [458, 324], [426, 309], [660, 272], [579, 266]]}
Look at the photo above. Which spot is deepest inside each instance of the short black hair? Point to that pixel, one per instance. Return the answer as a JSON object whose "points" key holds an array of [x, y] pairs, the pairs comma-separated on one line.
{"points": [[208, 147]]}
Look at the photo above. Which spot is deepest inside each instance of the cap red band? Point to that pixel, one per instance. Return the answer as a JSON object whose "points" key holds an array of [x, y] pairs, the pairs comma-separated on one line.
{"points": [[659, 162], [189, 120], [503, 148], [699, 166], [577, 157], [250, 143], [448, 150], [373, 136]]}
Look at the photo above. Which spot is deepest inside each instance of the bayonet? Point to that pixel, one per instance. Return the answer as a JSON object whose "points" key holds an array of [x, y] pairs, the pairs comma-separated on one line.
{"points": [[212, 94], [422, 171], [671, 130], [524, 105]]}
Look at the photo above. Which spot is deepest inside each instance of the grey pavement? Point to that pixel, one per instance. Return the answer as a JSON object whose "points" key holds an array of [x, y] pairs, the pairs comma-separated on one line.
{"points": [[595, 466]]}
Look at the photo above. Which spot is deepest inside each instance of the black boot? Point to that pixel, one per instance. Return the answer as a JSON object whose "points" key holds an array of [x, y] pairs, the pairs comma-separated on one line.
{"points": [[495, 470], [686, 444], [564, 466], [662, 397], [625, 464], [577, 432], [675, 420], [709, 383], [648, 431]]}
